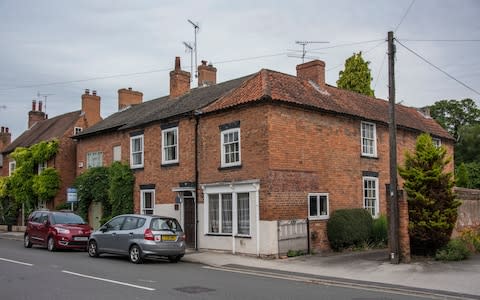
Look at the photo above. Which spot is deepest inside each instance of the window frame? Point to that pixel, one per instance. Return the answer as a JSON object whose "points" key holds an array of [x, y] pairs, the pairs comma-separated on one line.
{"points": [[42, 166], [164, 146], [97, 158], [142, 201], [437, 142], [77, 130], [364, 138], [318, 215], [234, 214], [119, 147], [12, 165], [376, 196], [223, 163], [141, 151]]}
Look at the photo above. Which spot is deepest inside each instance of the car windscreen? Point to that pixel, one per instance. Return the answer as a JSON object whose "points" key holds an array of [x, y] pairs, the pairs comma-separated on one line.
{"points": [[165, 224], [66, 218]]}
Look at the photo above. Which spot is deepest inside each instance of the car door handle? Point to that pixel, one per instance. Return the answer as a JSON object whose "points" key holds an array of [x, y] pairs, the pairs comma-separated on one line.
{"points": [[131, 233]]}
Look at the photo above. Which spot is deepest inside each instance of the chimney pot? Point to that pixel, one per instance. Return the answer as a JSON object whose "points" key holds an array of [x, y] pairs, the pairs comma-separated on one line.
{"points": [[179, 80], [3, 129], [87, 91], [34, 105], [129, 88], [7, 129], [177, 63], [94, 92], [40, 104], [204, 62]]}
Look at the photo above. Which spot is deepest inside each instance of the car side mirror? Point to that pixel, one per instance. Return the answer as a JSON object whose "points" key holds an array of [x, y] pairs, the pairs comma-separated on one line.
{"points": [[45, 222], [103, 228]]}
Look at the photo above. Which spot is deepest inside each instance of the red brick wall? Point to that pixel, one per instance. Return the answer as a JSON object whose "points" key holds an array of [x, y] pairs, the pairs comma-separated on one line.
{"points": [[164, 177]]}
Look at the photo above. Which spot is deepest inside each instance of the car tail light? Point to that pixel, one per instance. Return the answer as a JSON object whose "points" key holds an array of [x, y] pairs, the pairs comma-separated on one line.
{"points": [[148, 235]]}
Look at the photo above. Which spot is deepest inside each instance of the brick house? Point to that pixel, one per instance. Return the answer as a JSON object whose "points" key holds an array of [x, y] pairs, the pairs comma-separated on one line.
{"points": [[62, 128], [256, 164]]}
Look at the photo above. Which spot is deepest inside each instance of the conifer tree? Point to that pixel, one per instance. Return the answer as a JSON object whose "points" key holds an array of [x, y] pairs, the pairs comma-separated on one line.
{"points": [[431, 201], [356, 77]]}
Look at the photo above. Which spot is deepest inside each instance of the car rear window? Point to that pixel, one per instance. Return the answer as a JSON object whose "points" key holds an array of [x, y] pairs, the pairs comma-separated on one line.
{"points": [[165, 224], [66, 218]]}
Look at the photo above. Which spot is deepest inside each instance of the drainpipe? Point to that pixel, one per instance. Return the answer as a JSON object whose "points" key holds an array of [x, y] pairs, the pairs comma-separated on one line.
{"points": [[197, 119], [257, 213]]}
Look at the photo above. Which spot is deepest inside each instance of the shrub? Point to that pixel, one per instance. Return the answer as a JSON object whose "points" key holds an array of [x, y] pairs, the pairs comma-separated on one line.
{"points": [[456, 249], [472, 239], [380, 230], [349, 227]]}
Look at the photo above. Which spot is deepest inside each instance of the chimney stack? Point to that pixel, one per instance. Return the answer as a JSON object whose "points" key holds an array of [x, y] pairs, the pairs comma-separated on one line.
{"points": [[314, 71], [179, 80], [207, 75], [40, 104], [91, 107], [35, 115], [128, 97], [5, 139]]}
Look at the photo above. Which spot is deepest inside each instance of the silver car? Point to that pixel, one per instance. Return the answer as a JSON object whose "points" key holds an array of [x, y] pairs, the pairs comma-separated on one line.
{"points": [[139, 237]]}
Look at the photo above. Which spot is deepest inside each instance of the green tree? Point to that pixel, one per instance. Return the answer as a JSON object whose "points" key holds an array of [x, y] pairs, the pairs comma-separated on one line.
{"points": [[431, 200], [356, 76], [467, 148], [473, 174], [454, 114], [120, 191], [461, 176], [93, 186], [46, 184]]}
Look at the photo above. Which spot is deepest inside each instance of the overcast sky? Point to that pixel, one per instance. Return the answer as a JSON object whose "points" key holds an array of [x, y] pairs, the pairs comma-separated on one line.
{"points": [[62, 47]]}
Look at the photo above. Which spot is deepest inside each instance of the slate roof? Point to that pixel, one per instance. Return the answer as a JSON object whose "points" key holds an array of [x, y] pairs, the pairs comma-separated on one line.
{"points": [[276, 87], [162, 108], [45, 130]]}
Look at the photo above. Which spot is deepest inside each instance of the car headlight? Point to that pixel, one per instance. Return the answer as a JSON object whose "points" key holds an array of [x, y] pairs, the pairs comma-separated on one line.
{"points": [[62, 230]]}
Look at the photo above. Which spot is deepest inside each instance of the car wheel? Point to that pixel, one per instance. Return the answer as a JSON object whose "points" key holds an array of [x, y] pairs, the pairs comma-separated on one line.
{"points": [[93, 249], [51, 244], [174, 259], [135, 254], [26, 241]]}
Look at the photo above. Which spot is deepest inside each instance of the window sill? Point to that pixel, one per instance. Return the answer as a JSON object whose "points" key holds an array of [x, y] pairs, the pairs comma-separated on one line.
{"points": [[368, 156], [230, 167], [321, 218], [242, 236], [172, 164], [139, 168]]}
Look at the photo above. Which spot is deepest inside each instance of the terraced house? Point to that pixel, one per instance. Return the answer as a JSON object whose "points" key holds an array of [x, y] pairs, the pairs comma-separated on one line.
{"points": [[61, 128], [257, 164]]}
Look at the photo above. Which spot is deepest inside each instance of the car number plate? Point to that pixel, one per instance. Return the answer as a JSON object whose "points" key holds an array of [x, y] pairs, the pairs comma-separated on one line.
{"points": [[80, 238], [169, 237]]}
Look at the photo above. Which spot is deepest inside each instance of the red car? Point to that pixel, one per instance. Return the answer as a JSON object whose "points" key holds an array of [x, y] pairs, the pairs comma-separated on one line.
{"points": [[56, 230]]}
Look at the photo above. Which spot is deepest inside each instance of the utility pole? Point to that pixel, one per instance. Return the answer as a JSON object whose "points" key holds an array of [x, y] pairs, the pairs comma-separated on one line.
{"points": [[392, 126]]}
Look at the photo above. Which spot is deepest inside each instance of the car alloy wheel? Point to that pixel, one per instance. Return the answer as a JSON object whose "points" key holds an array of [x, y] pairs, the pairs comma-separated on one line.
{"points": [[26, 241], [51, 244], [135, 254], [92, 249]]}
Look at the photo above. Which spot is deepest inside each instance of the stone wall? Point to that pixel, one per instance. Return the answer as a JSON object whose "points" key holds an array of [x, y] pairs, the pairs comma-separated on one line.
{"points": [[469, 211]]}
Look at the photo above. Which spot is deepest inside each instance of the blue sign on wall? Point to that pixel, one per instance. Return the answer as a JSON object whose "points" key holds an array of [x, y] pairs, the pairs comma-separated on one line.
{"points": [[72, 195]]}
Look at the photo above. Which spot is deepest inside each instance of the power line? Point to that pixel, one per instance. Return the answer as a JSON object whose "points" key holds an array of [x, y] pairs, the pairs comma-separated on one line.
{"points": [[438, 68], [365, 52], [249, 58], [84, 80], [380, 70], [404, 15], [348, 44], [440, 40]]}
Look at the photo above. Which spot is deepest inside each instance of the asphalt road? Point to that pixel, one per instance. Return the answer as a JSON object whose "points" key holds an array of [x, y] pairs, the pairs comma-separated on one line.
{"points": [[38, 274]]}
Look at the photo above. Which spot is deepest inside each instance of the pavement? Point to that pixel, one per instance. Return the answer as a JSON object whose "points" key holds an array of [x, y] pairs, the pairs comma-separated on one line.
{"points": [[363, 269]]}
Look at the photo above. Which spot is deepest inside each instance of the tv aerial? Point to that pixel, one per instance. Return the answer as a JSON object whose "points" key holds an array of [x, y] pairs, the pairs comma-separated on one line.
{"points": [[196, 28], [44, 99], [304, 50]]}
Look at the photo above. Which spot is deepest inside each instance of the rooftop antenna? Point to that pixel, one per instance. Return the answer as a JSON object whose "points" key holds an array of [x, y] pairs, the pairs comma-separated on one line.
{"points": [[304, 51], [44, 99], [189, 48], [196, 28]]}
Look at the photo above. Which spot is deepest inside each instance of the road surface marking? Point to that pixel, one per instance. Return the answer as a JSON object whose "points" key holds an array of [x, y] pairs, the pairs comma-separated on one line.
{"points": [[16, 262], [109, 280]]}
